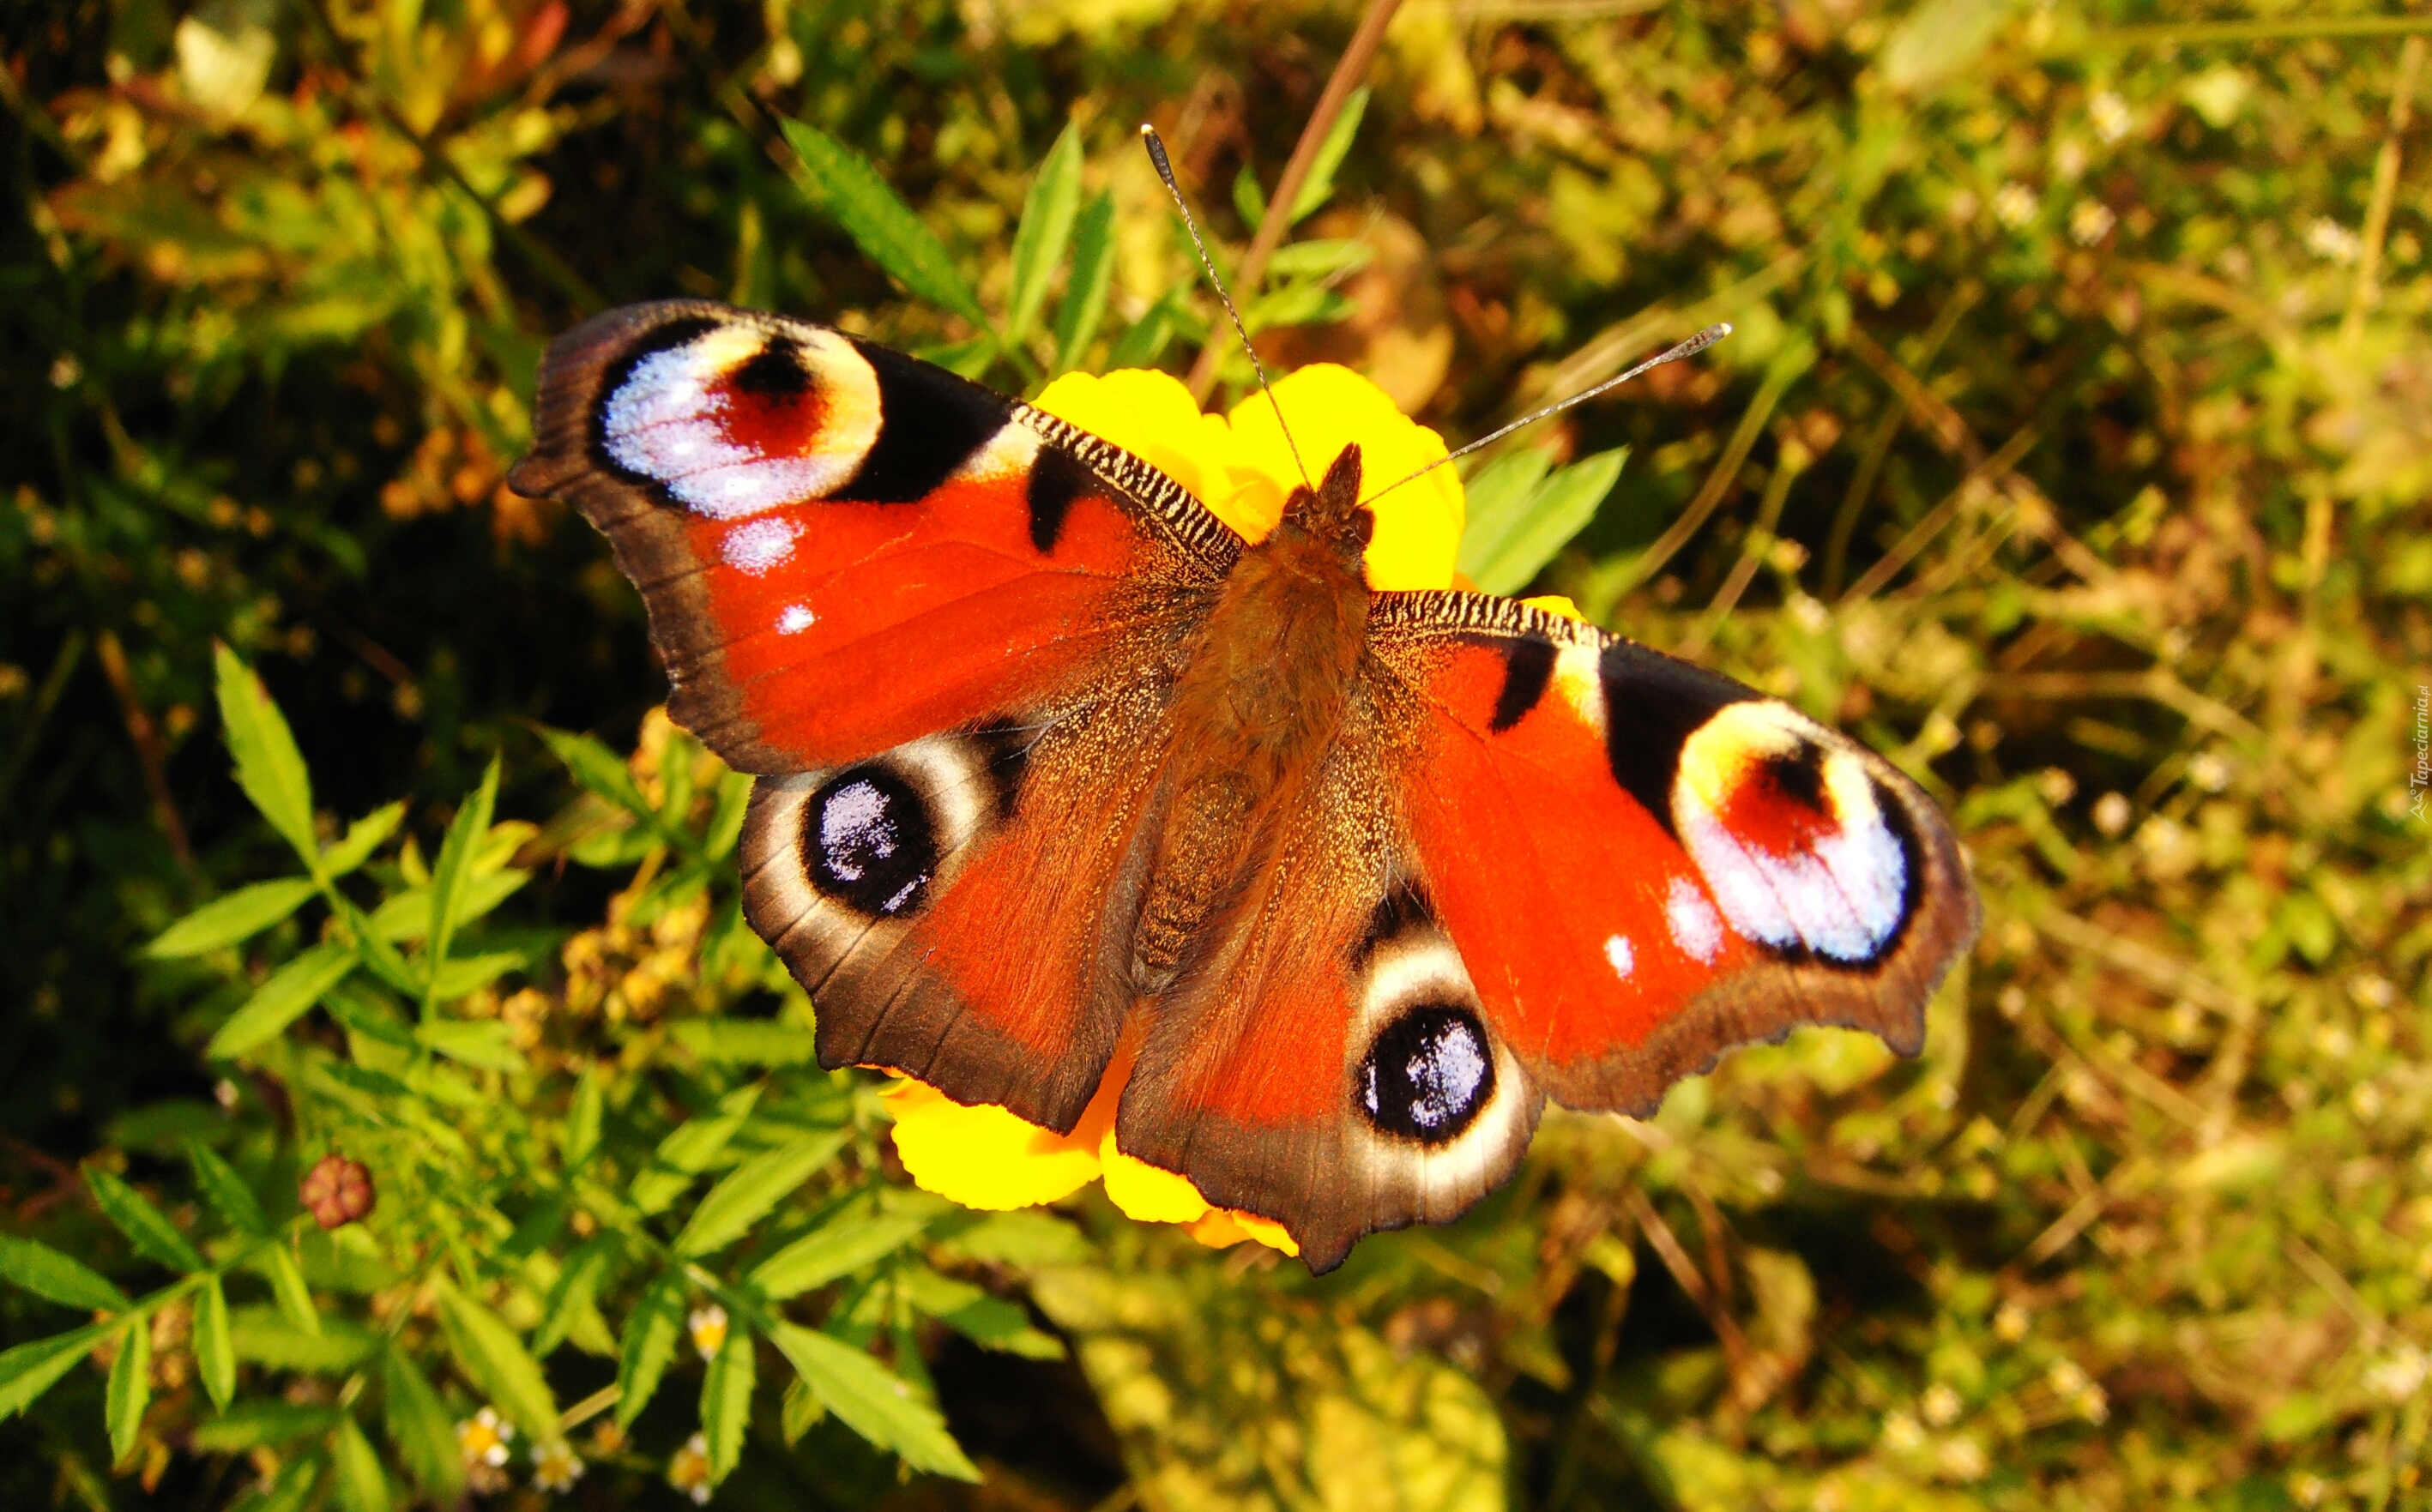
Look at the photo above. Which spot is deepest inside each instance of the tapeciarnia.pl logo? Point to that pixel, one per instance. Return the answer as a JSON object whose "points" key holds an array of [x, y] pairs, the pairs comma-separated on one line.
{"points": [[2419, 778]]}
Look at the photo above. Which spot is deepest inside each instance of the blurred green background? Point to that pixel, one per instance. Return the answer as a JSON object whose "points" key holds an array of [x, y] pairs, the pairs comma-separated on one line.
{"points": [[2075, 449]]}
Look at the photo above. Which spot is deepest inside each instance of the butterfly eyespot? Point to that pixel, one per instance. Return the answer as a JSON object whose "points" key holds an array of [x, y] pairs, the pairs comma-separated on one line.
{"points": [[1427, 1074], [869, 843]]}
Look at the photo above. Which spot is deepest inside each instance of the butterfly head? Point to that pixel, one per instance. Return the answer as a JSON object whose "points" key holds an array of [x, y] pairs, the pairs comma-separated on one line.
{"points": [[1333, 512]]}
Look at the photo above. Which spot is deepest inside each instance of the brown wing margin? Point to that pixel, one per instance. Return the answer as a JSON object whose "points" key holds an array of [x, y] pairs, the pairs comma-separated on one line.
{"points": [[1645, 864]]}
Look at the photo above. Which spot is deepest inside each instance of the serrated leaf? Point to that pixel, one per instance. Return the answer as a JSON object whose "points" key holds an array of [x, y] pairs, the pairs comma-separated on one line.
{"points": [[226, 1189], [240, 915], [265, 1337], [214, 1349], [263, 1425], [874, 1402], [468, 974], [650, 1342], [1046, 229], [578, 1282], [485, 1044], [30, 1369], [841, 182], [268, 766], [599, 770], [131, 1390], [800, 1412], [288, 995], [750, 1190], [687, 1152], [1086, 287], [419, 1424], [287, 1288], [580, 1135], [361, 838], [362, 1485], [1317, 187], [495, 1359], [726, 1401], [153, 1235], [406, 915], [991, 1323], [746, 1041], [45, 1272], [844, 1244], [1020, 1238], [454, 869], [1502, 554], [359, 1006]]}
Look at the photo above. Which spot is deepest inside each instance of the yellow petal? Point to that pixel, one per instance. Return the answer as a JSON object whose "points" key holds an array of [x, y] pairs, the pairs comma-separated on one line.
{"points": [[1225, 1227], [1149, 1194], [1555, 604], [1153, 416], [983, 1156], [1418, 524]]}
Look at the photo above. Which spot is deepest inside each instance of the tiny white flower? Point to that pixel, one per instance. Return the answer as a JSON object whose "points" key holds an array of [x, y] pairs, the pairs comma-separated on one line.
{"points": [[2399, 1376], [708, 1327], [2111, 813], [2090, 221], [1962, 1459], [2109, 113], [2209, 771], [1902, 1435], [1940, 1405], [2015, 205], [2326, 238]]}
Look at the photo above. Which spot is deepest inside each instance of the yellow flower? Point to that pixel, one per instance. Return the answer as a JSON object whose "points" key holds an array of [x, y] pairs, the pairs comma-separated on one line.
{"points": [[484, 1437], [1244, 468], [707, 1326], [688, 1469]]}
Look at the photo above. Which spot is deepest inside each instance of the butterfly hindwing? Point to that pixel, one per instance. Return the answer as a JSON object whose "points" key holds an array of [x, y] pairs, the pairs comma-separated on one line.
{"points": [[1644, 863]]}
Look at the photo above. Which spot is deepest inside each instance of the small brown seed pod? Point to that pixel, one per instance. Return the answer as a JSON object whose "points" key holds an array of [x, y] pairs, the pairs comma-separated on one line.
{"points": [[336, 1191]]}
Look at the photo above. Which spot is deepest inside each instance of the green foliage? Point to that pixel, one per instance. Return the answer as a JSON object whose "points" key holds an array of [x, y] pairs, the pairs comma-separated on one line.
{"points": [[2072, 449]]}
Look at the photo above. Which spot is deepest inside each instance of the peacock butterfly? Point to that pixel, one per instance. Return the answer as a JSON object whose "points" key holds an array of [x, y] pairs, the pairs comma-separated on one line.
{"points": [[1050, 759]]}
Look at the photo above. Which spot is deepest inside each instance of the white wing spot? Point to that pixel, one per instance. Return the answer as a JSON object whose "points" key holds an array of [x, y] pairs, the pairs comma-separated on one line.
{"points": [[757, 545], [1695, 923], [795, 618], [853, 821], [1620, 956]]}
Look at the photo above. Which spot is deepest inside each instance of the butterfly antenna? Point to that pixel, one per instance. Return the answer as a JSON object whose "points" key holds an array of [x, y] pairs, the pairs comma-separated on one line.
{"points": [[1165, 170], [1671, 354]]}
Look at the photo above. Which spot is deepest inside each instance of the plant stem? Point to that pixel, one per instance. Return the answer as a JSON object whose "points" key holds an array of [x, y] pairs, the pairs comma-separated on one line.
{"points": [[1348, 70]]}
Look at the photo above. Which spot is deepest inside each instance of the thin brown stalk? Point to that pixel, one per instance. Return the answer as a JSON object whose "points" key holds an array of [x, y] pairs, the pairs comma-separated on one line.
{"points": [[1348, 70], [1719, 483], [1879, 445], [1674, 1255], [1985, 472], [148, 748], [2385, 191]]}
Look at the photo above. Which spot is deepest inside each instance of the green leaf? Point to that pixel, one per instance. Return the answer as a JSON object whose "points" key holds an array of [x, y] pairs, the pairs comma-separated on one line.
{"points": [[843, 183], [651, 1334], [726, 817], [726, 1400], [1320, 259], [226, 1189], [688, 1152], [1086, 286], [240, 915], [287, 1286], [991, 1323], [361, 838], [468, 974], [1503, 551], [295, 1486], [874, 1402], [265, 1337], [1146, 340], [42, 1270], [263, 1425], [268, 766], [599, 770], [29, 1370], [1319, 186], [455, 869], [845, 1243], [214, 1351], [288, 995], [130, 1388], [406, 915], [751, 1189], [1046, 229], [747, 1041], [800, 1412], [419, 1424], [363, 1008], [1249, 198], [578, 1282], [495, 1360], [153, 1235], [485, 1044], [362, 1485], [580, 1135], [1295, 304]]}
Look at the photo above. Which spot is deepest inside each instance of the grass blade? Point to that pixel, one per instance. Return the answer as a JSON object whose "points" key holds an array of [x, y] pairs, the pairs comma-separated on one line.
{"points": [[1319, 186], [1086, 286], [843, 183], [1046, 229]]}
